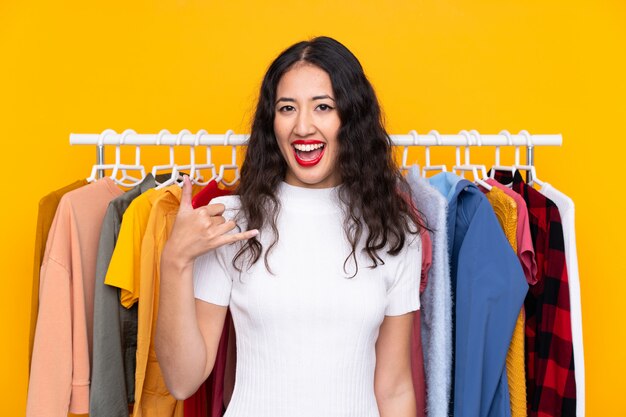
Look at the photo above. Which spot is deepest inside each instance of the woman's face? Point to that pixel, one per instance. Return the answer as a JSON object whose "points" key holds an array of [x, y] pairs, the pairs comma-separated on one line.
{"points": [[306, 124]]}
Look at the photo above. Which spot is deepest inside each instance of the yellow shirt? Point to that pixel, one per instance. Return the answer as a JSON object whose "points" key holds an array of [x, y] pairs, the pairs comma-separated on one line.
{"points": [[124, 268], [506, 212]]}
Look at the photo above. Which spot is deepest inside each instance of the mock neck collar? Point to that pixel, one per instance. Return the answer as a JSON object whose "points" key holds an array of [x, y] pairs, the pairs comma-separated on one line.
{"points": [[309, 199]]}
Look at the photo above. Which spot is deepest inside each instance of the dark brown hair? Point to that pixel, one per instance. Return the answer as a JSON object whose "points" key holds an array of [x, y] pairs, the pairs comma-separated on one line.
{"points": [[375, 194]]}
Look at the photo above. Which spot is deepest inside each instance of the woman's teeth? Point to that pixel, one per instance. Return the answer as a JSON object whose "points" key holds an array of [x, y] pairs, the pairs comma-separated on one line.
{"points": [[308, 154], [308, 148]]}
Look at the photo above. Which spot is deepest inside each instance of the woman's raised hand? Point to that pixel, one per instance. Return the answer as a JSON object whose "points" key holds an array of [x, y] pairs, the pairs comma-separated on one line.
{"points": [[197, 231]]}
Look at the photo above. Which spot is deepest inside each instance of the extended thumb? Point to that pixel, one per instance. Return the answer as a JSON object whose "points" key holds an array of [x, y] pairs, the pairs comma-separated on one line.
{"points": [[185, 200]]}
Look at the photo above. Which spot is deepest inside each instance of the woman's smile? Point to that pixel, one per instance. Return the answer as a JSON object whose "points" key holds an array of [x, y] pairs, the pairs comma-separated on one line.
{"points": [[308, 152]]}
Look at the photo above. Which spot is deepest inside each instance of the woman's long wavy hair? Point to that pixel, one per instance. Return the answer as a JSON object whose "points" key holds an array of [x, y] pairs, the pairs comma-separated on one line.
{"points": [[375, 194]]}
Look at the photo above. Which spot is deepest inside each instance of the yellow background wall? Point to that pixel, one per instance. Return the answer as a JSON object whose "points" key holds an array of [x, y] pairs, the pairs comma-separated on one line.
{"points": [[549, 67]]}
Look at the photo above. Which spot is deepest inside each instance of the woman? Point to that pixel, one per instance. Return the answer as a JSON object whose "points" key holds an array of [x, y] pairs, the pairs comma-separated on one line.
{"points": [[323, 321]]}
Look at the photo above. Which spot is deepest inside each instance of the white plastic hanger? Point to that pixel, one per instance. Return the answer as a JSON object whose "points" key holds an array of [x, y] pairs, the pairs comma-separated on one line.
{"points": [[169, 167], [531, 168], [468, 166], [175, 177], [127, 180], [497, 166], [208, 165], [405, 155], [96, 167], [428, 167], [233, 163], [195, 174], [405, 152]]}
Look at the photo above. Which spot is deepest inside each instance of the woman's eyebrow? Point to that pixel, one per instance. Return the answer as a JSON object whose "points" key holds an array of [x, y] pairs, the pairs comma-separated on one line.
{"points": [[292, 100], [323, 97]]}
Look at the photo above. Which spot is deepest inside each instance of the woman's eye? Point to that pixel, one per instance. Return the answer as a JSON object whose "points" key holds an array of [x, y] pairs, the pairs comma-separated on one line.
{"points": [[324, 107], [286, 109]]}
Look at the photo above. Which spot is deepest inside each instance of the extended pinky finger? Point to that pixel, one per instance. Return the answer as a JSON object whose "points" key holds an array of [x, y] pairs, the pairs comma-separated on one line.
{"points": [[235, 237]]}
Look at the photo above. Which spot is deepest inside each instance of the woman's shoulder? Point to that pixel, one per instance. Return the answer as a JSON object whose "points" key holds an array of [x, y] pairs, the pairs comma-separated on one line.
{"points": [[232, 208], [230, 202]]}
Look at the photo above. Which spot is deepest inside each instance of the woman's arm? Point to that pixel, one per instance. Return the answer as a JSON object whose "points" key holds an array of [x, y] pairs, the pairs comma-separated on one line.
{"points": [[393, 383], [188, 330]]}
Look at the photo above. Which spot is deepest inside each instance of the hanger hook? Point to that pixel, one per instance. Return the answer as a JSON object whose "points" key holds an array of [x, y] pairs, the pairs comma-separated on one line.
{"points": [[529, 141], [104, 134], [468, 143], [416, 140], [507, 136], [118, 156], [160, 135], [199, 135], [532, 174], [179, 137], [208, 148], [466, 135], [437, 137], [227, 136], [125, 134], [192, 156], [479, 139], [137, 149]]}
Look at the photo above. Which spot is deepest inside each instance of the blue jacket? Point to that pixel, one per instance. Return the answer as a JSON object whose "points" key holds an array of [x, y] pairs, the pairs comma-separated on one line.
{"points": [[489, 288]]}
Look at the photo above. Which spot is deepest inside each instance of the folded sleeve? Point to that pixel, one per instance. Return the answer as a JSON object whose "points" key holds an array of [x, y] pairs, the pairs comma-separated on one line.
{"points": [[403, 295], [212, 281]]}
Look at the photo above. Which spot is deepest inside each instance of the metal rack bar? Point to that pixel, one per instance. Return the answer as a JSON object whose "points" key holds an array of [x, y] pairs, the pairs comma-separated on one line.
{"points": [[240, 140], [205, 139]]}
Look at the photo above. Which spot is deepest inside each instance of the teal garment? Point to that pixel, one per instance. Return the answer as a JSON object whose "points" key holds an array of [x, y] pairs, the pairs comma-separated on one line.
{"points": [[489, 288]]}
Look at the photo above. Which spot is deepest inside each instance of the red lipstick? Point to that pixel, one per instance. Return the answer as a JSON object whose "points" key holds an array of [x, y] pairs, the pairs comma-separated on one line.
{"points": [[315, 155]]}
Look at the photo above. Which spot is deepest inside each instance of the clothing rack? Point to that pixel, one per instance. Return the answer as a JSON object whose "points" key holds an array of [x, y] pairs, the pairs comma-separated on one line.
{"points": [[202, 138]]}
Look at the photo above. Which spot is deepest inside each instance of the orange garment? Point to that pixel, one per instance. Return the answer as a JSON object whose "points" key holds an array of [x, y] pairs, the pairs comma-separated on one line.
{"points": [[47, 208], [506, 212], [151, 395], [59, 377]]}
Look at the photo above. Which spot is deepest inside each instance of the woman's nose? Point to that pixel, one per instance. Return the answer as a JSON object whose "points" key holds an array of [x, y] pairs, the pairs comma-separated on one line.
{"points": [[304, 124]]}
